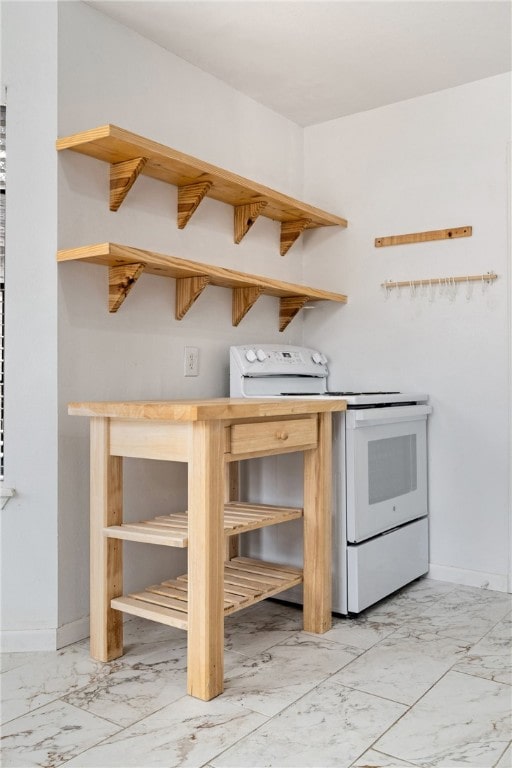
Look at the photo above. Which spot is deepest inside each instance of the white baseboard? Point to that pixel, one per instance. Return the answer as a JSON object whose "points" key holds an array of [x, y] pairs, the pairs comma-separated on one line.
{"points": [[495, 581], [73, 632], [18, 641]]}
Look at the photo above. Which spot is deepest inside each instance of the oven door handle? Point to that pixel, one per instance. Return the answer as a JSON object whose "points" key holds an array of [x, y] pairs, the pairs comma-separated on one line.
{"points": [[369, 417]]}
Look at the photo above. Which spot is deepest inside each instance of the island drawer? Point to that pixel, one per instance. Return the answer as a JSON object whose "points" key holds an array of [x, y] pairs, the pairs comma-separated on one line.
{"points": [[287, 434]]}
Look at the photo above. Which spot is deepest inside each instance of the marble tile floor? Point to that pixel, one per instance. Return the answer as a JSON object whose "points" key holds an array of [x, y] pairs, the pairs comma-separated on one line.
{"points": [[424, 678]]}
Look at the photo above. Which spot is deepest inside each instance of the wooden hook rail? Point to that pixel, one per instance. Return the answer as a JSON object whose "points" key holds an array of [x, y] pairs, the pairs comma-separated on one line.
{"points": [[488, 277], [423, 237]]}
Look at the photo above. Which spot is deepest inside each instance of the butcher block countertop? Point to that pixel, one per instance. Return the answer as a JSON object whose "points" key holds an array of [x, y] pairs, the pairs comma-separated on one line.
{"points": [[224, 408]]}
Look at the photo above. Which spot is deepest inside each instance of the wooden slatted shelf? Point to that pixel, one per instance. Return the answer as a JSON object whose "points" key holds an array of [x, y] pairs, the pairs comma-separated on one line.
{"points": [[172, 530], [246, 581], [130, 155], [126, 264]]}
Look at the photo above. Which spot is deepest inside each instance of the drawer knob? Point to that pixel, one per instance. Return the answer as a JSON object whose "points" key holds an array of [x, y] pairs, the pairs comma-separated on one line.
{"points": [[282, 435]]}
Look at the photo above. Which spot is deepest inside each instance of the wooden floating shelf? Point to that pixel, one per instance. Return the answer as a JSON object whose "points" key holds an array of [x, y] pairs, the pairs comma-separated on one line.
{"points": [[126, 264], [130, 155], [246, 582], [172, 530]]}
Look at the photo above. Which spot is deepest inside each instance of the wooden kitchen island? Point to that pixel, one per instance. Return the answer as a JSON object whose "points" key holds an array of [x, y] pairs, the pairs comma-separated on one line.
{"points": [[207, 434]]}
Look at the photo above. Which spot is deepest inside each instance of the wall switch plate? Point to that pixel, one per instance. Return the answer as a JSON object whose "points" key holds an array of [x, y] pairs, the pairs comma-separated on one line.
{"points": [[191, 361]]}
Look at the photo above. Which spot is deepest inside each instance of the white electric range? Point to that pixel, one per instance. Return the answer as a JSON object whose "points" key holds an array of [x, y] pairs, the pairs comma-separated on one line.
{"points": [[380, 512]]}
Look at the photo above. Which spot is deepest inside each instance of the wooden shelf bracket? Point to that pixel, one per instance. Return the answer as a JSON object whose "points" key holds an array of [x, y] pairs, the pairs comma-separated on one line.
{"points": [[188, 289], [122, 178], [243, 300], [245, 216], [121, 280], [189, 197], [290, 231], [289, 306]]}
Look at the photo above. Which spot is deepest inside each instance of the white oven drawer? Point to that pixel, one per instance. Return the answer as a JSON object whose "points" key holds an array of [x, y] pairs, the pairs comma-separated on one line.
{"points": [[378, 567]]}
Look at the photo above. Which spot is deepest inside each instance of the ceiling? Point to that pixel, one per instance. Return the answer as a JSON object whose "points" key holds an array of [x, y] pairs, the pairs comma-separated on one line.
{"points": [[322, 59]]}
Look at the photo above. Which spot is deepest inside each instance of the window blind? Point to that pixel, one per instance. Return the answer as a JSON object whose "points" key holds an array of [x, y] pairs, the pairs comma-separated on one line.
{"points": [[3, 191]]}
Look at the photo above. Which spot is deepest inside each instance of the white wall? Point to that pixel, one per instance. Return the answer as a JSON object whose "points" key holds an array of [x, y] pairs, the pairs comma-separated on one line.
{"points": [[429, 163], [138, 352], [29, 521], [69, 68]]}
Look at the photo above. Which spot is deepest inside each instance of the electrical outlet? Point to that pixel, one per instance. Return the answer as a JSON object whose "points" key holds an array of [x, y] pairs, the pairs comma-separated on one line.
{"points": [[191, 361]]}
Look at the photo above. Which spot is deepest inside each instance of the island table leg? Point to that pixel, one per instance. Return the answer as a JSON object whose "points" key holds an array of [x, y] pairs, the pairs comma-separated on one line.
{"points": [[317, 530], [205, 665], [106, 578]]}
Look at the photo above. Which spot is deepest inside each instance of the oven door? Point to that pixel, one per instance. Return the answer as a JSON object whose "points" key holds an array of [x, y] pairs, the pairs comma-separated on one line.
{"points": [[386, 463]]}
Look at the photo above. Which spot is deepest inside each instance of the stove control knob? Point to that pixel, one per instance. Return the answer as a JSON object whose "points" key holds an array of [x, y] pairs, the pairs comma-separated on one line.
{"points": [[323, 359], [261, 355], [316, 357], [250, 355]]}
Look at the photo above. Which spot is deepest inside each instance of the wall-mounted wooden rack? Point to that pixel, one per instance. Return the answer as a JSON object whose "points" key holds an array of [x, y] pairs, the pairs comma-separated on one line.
{"points": [[126, 264], [423, 237], [488, 277], [130, 155]]}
